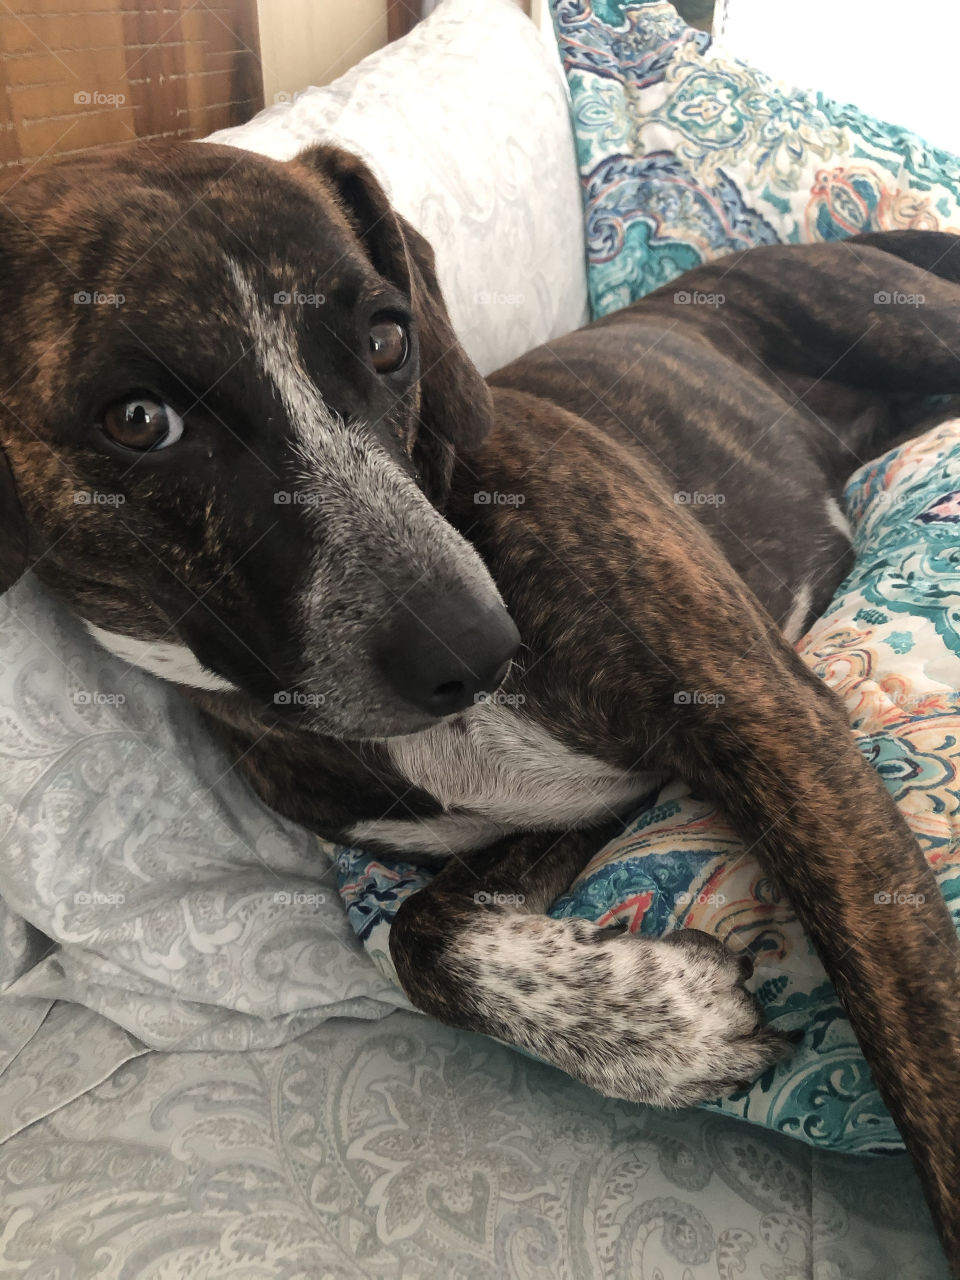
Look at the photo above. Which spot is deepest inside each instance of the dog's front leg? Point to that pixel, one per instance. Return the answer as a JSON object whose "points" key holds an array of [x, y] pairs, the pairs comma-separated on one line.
{"points": [[666, 1022]]}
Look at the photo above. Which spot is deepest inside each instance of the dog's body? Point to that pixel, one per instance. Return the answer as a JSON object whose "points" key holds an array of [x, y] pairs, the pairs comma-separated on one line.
{"points": [[337, 643]]}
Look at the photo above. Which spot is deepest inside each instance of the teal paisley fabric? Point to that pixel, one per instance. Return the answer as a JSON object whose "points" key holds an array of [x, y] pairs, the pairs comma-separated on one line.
{"points": [[889, 646], [686, 153]]}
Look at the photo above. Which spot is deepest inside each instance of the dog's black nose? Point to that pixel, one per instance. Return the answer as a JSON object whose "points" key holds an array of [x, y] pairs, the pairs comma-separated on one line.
{"points": [[443, 654]]}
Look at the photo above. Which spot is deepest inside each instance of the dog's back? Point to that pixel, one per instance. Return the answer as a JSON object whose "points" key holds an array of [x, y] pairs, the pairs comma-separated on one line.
{"points": [[744, 390]]}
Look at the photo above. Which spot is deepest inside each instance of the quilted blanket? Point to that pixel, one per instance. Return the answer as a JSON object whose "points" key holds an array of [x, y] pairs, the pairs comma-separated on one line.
{"points": [[889, 645]]}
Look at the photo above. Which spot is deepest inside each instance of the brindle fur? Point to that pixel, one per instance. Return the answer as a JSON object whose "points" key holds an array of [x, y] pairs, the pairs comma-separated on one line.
{"points": [[622, 596]]}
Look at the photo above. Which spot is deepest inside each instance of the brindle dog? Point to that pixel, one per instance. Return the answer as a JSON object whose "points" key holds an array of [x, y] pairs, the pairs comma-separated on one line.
{"points": [[334, 533]]}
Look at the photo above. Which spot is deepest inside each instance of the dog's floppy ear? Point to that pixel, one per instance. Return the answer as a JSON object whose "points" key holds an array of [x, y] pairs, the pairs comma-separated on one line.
{"points": [[14, 535], [456, 409]]}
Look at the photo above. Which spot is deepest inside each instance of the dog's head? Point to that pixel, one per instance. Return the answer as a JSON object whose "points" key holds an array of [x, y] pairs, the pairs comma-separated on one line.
{"points": [[230, 401]]}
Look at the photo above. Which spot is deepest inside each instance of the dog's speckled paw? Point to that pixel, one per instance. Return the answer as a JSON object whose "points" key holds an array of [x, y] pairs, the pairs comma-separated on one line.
{"points": [[666, 1022]]}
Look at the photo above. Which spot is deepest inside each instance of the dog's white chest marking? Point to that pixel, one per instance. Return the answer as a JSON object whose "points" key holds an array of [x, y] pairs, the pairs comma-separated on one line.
{"points": [[494, 771]]}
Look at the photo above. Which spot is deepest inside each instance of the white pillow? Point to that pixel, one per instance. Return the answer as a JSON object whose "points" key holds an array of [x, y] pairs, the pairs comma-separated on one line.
{"points": [[466, 123]]}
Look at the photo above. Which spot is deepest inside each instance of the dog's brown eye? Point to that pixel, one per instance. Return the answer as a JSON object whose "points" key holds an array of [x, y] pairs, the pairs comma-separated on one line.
{"points": [[389, 345], [141, 422]]}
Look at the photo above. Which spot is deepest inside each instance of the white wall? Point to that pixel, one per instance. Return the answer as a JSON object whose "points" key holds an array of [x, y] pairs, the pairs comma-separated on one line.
{"points": [[896, 59], [313, 41]]}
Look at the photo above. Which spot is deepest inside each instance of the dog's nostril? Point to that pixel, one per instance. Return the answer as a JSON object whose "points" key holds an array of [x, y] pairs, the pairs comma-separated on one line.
{"points": [[450, 689], [449, 697]]}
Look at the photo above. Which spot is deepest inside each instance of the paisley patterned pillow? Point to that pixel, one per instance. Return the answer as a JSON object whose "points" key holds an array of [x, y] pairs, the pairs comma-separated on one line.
{"points": [[890, 647], [686, 153]]}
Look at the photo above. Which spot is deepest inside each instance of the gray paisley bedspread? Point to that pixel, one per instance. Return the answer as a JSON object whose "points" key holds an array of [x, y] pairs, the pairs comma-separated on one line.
{"points": [[403, 1150]]}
